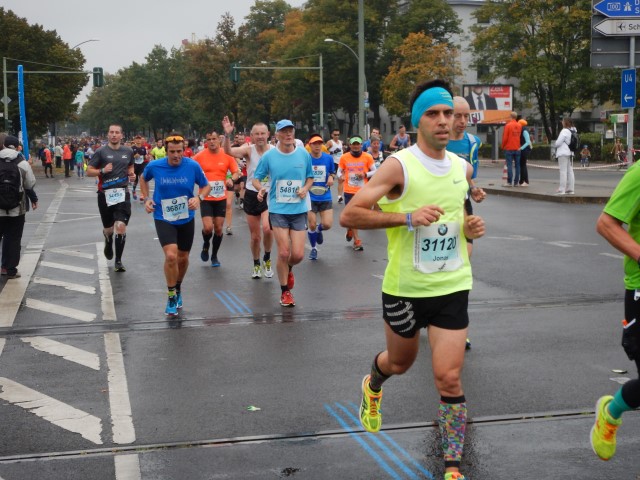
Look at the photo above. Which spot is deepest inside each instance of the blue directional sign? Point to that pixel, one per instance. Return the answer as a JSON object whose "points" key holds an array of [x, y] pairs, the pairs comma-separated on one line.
{"points": [[628, 91], [618, 8]]}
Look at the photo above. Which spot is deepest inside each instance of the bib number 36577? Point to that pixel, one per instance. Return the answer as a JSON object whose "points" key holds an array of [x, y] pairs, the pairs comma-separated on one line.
{"points": [[436, 248]]}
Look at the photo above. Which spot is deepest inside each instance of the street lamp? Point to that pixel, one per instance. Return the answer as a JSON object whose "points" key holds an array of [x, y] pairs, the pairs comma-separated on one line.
{"points": [[362, 85], [86, 41]]}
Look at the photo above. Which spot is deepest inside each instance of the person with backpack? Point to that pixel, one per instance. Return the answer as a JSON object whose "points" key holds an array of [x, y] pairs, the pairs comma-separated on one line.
{"points": [[15, 176], [564, 154]]}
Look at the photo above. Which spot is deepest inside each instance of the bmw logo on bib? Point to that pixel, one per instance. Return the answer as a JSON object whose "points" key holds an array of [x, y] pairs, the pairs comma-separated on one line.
{"points": [[443, 229]]}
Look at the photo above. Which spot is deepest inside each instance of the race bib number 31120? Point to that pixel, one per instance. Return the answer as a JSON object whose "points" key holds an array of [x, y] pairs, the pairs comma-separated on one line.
{"points": [[436, 248]]}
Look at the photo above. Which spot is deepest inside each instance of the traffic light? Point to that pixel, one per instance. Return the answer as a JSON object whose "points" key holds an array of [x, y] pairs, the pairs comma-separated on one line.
{"points": [[98, 77], [234, 73], [316, 118]]}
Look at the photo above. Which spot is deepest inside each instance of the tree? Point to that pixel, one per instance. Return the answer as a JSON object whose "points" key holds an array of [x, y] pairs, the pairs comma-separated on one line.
{"points": [[545, 45], [419, 58], [49, 97]]}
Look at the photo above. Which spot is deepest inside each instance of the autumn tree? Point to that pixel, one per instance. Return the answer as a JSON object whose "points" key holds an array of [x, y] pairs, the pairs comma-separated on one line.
{"points": [[419, 58], [544, 44]]}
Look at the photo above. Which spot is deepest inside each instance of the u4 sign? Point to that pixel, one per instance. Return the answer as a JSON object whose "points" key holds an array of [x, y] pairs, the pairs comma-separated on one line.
{"points": [[628, 90]]}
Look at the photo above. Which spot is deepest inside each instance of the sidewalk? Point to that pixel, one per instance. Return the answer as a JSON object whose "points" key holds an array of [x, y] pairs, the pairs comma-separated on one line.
{"points": [[590, 187]]}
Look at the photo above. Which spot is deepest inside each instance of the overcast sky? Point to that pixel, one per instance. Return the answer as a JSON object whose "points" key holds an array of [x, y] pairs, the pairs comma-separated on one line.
{"points": [[127, 30]]}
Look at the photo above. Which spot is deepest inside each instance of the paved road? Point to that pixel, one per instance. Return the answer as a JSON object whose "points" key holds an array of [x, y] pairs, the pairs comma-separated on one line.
{"points": [[96, 383]]}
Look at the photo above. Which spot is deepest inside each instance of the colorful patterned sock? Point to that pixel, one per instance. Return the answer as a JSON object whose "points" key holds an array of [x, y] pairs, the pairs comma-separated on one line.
{"points": [[452, 420]]}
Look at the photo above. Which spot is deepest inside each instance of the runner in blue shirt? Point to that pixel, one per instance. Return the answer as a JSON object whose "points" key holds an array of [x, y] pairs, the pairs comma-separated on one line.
{"points": [[320, 193], [291, 176], [173, 206]]}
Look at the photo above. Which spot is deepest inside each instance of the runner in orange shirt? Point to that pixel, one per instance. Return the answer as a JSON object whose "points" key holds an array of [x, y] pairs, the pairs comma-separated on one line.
{"points": [[215, 164], [354, 170]]}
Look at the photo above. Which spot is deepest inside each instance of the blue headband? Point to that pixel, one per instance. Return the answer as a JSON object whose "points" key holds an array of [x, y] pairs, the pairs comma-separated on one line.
{"points": [[426, 100]]}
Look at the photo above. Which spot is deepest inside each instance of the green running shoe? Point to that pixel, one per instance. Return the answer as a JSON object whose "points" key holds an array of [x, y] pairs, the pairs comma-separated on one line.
{"points": [[603, 433], [370, 414]]}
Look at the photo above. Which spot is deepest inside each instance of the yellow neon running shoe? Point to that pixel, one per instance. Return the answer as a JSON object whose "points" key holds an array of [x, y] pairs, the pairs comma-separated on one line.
{"points": [[454, 476], [370, 414], [603, 433]]}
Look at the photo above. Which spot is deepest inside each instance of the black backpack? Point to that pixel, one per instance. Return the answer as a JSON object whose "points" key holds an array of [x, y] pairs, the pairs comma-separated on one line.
{"points": [[574, 143], [10, 183]]}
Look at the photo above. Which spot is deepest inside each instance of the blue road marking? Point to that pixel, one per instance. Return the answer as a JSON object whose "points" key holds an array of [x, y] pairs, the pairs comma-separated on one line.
{"points": [[385, 466], [232, 302], [395, 445], [386, 450]]}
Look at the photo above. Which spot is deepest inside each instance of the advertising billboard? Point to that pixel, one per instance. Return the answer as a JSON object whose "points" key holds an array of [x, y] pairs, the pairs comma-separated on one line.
{"points": [[490, 104]]}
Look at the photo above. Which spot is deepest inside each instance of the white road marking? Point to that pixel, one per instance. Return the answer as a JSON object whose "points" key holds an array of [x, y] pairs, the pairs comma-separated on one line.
{"points": [[381, 277], [566, 244], [60, 310], [68, 285], [613, 255], [513, 237], [13, 291], [70, 268], [121, 419], [60, 414], [2, 341], [72, 253], [106, 293], [76, 219], [127, 467], [68, 352]]}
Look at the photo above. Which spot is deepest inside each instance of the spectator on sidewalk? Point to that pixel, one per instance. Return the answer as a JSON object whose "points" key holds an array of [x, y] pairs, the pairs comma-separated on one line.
{"points": [[565, 158], [511, 147], [525, 148]]}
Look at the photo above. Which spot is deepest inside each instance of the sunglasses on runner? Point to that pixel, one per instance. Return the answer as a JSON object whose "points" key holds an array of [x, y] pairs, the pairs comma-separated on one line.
{"points": [[174, 138]]}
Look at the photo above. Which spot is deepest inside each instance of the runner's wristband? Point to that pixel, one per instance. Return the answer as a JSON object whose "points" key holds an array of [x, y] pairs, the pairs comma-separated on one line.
{"points": [[409, 224]]}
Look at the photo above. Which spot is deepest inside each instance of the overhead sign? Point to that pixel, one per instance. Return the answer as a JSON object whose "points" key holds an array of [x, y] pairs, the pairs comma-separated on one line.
{"points": [[618, 8], [628, 90], [613, 60], [627, 27]]}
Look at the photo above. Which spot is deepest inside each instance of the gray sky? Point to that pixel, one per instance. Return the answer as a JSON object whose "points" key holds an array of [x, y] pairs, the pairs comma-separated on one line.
{"points": [[127, 30]]}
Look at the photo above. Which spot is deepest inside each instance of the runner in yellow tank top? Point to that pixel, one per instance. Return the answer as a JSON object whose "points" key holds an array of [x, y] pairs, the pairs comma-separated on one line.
{"points": [[421, 192]]}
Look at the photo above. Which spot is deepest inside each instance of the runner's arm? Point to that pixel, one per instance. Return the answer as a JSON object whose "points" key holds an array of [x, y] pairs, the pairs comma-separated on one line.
{"points": [[613, 232]]}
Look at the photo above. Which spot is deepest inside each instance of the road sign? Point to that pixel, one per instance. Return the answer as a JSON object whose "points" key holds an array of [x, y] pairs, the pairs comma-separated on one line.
{"points": [[628, 90], [613, 60], [618, 8], [619, 117], [6, 100], [627, 27]]}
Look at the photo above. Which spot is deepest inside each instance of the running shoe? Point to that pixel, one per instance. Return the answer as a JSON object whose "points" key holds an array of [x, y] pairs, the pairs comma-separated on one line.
{"points": [[603, 433], [357, 246], [135, 197], [370, 413], [119, 267], [349, 235], [286, 299], [454, 476], [172, 306], [215, 262], [257, 272], [467, 345], [204, 254], [178, 300], [241, 204], [313, 255], [108, 247], [268, 272], [229, 231], [291, 281], [320, 237], [340, 199]]}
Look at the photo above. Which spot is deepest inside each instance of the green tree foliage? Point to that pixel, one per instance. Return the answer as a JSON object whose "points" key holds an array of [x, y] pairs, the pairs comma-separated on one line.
{"points": [[48, 98], [545, 45]]}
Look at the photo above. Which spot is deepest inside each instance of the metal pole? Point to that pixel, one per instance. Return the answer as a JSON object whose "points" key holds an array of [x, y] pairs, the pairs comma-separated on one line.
{"points": [[321, 100], [6, 103], [361, 67], [632, 64]]}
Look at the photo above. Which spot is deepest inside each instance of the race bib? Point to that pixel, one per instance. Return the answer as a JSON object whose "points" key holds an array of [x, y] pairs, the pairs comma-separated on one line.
{"points": [[115, 196], [320, 173], [436, 248], [287, 191], [217, 189], [138, 160], [356, 179], [175, 209]]}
